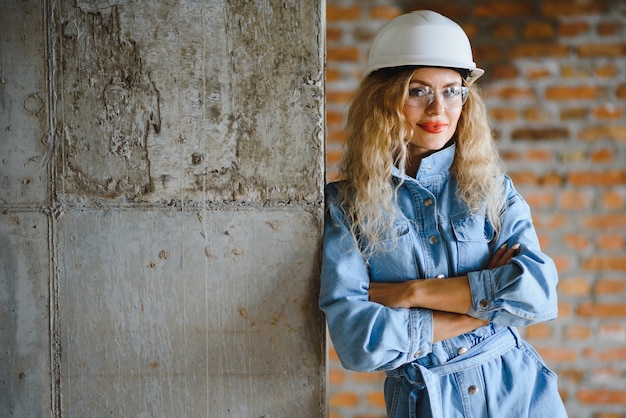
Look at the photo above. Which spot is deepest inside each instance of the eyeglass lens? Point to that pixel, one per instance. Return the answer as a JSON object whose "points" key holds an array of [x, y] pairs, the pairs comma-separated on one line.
{"points": [[423, 96]]}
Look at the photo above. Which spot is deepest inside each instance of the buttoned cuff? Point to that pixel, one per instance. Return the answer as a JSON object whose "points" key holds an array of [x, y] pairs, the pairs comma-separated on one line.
{"points": [[421, 323], [482, 292]]}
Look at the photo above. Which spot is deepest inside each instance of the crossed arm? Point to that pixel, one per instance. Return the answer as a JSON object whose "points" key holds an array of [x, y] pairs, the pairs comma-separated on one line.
{"points": [[450, 299]]}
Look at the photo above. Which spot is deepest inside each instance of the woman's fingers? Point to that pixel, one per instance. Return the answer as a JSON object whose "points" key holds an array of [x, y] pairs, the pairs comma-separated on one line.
{"points": [[503, 256], [497, 257], [512, 252]]}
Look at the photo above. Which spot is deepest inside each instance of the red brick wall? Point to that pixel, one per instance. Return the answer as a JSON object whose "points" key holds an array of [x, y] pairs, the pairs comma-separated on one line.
{"points": [[556, 90]]}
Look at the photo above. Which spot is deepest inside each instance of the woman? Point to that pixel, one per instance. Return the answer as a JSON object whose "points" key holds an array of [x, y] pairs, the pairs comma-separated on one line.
{"points": [[430, 257]]}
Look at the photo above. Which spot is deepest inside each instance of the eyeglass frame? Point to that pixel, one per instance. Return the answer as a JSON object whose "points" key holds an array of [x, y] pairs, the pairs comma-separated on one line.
{"points": [[464, 93]]}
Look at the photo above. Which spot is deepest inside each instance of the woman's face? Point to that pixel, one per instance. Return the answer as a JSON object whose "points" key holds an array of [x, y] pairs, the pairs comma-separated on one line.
{"points": [[433, 123]]}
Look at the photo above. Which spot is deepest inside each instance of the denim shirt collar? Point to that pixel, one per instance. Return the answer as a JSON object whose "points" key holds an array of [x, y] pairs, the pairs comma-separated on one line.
{"points": [[435, 165]]}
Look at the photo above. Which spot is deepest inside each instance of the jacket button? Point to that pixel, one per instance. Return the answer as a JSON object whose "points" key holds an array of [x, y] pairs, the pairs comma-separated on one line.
{"points": [[417, 354], [472, 390], [432, 239], [462, 350], [428, 202], [484, 303]]}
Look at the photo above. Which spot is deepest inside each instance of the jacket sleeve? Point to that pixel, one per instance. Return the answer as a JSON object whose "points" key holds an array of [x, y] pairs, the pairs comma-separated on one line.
{"points": [[366, 335], [523, 292]]}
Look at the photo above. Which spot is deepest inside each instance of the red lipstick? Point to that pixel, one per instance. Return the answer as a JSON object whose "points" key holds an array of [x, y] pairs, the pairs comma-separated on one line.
{"points": [[433, 127]]}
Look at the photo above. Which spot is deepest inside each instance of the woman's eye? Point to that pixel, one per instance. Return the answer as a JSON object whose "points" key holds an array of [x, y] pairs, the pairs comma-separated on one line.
{"points": [[417, 91], [451, 91]]}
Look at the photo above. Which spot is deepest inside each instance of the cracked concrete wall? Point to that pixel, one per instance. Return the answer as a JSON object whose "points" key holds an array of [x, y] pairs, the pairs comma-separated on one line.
{"points": [[161, 180]]}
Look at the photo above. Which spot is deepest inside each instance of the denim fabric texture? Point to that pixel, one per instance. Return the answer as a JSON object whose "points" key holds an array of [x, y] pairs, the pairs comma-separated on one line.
{"points": [[489, 372]]}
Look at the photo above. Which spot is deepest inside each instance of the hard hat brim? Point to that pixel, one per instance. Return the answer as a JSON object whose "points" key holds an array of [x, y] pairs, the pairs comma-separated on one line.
{"points": [[473, 73]]}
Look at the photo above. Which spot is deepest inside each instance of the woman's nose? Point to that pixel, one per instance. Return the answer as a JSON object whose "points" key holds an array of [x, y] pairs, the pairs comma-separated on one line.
{"points": [[435, 106]]}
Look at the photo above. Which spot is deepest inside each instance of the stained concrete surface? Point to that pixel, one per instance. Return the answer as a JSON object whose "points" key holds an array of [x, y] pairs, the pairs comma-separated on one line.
{"points": [[209, 100], [161, 173], [214, 304]]}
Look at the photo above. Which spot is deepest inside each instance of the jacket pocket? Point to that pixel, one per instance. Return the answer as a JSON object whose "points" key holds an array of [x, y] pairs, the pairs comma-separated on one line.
{"points": [[473, 236], [472, 228], [394, 259]]}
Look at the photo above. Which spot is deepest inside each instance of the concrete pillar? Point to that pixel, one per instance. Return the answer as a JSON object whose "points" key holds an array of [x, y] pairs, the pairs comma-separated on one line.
{"points": [[161, 178]]}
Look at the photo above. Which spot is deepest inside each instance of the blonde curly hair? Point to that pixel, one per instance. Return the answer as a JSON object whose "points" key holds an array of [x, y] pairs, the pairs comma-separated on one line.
{"points": [[378, 134]]}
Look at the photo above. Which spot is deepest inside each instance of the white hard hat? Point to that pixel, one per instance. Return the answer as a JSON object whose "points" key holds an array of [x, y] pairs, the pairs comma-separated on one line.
{"points": [[422, 38]]}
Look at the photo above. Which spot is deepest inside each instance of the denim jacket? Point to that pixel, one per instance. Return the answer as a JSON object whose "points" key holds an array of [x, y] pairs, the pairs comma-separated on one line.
{"points": [[438, 235]]}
